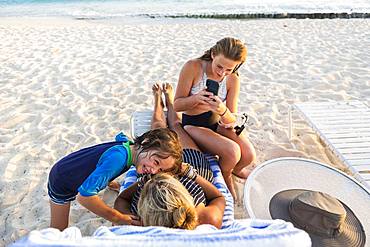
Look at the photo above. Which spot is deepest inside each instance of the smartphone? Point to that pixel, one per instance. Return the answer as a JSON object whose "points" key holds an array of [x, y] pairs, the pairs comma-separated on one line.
{"points": [[212, 86]]}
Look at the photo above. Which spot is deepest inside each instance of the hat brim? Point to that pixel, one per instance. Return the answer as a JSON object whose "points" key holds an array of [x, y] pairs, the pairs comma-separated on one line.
{"points": [[352, 232], [274, 176]]}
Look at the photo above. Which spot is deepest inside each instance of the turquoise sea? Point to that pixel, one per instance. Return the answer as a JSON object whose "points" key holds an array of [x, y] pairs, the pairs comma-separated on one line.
{"points": [[93, 9]]}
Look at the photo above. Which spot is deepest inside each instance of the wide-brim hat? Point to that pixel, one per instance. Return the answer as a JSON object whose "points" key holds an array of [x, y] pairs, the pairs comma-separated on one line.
{"points": [[295, 175], [329, 222]]}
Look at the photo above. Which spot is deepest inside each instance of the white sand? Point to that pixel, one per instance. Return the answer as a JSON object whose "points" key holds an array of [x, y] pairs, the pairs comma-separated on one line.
{"points": [[65, 85]]}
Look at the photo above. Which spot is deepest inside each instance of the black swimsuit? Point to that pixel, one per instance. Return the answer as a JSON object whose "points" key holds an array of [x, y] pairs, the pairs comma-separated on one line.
{"points": [[207, 119]]}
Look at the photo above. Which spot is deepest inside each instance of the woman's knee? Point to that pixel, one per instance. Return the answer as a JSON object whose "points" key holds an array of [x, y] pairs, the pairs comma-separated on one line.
{"points": [[248, 153], [230, 153]]}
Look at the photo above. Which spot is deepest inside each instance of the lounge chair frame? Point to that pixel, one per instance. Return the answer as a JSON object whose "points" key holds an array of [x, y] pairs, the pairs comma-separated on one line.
{"points": [[345, 128]]}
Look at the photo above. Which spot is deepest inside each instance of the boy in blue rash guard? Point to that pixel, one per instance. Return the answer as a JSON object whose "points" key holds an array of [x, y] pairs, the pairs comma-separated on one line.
{"points": [[84, 173]]}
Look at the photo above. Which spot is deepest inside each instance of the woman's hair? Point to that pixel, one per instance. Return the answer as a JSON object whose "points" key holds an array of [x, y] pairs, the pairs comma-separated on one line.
{"points": [[164, 201], [164, 141], [230, 48]]}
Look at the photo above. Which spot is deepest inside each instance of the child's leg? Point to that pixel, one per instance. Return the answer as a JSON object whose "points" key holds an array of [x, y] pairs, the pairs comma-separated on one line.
{"points": [[174, 121], [158, 118], [59, 215]]}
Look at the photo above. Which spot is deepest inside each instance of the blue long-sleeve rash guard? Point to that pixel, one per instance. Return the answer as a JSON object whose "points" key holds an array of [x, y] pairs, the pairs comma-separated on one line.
{"points": [[112, 163]]}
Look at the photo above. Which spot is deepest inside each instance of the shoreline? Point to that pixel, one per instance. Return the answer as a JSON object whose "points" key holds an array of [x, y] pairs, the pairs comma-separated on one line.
{"points": [[288, 15], [145, 20], [199, 17]]}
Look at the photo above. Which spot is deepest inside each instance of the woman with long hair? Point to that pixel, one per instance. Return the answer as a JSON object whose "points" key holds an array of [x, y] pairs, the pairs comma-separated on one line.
{"points": [[209, 118]]}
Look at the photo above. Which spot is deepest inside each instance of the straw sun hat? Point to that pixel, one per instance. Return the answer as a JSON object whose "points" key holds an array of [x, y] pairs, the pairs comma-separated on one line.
{"points": [[332, 207]]}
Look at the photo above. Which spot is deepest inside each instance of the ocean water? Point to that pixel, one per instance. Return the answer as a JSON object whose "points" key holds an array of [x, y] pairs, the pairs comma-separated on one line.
{"points": [[175, 8]]}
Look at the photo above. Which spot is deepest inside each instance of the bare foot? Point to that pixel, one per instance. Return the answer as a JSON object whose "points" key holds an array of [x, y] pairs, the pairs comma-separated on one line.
{"points": [[168, 93], [245, 172], [157, 93], [173, 118]]}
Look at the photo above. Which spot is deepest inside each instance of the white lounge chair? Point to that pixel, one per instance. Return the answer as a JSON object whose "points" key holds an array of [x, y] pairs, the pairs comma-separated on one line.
{"points": [[140, 122], [345, 129]]}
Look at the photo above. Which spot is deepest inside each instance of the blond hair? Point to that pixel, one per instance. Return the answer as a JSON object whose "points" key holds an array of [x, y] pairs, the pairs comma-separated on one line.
{"points": [[164, 201], [230, 48]]}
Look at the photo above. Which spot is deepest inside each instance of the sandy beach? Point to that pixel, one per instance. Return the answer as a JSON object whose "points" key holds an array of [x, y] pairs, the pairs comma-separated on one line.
{"points": [[67, 84]]}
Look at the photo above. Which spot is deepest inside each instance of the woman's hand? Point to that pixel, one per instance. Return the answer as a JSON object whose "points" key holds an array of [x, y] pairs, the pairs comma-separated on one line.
{"points": [[98, 206], [188, 171], [129, 219], [216, 105], [227, 119], [202, 97]]}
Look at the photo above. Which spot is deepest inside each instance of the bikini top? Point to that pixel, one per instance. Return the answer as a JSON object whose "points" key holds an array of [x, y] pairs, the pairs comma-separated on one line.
{"points": [[222, 91]]}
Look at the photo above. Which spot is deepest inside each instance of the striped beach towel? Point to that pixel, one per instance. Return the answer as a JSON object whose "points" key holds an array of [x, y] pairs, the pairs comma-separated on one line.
{"points": [[248, 232]]}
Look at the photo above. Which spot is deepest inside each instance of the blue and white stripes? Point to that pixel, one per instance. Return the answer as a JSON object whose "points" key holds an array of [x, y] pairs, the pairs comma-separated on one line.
{"points": [[220, 184], [248, 232]]}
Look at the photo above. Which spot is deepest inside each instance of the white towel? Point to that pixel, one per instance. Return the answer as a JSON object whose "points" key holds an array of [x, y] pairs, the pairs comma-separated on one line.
{"points": [[248, 232]]}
